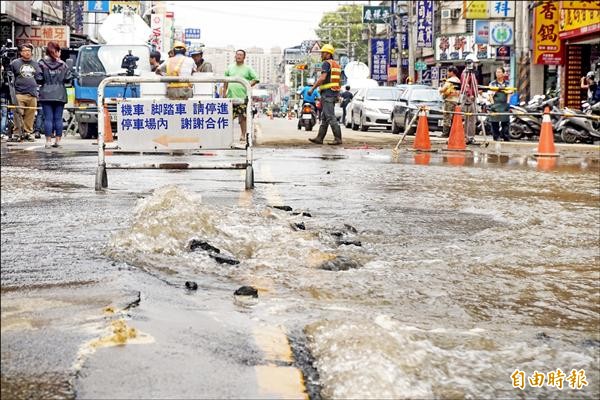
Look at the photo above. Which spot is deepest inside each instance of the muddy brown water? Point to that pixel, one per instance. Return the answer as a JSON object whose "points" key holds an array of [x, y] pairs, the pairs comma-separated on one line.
{"points": [[467, 271]]}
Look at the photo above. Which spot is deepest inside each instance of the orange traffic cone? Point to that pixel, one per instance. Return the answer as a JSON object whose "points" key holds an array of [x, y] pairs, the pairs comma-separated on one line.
{"points": [[108, 136], [422, 158], [456, 142], [459, 159], [422, 142], [545, 163], [546, 144]]}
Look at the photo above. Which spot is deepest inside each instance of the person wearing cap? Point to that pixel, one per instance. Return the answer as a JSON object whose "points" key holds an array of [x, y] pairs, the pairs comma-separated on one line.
{"points": [[329, 87], [588, 83], [237, 91], [201, 64], [450, 92], [178, 65], [26, 88]]}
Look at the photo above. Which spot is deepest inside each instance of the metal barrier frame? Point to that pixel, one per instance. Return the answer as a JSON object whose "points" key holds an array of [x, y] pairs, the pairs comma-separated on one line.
{"points": [[102, 177]]}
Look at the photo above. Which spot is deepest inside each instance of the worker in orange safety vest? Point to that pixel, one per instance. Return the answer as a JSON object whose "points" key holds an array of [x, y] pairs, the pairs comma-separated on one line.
{"points": [[178, 65]]}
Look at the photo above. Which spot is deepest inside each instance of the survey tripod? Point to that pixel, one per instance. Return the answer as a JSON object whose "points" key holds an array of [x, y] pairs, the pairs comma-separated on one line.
{"points": [[471, 83]]}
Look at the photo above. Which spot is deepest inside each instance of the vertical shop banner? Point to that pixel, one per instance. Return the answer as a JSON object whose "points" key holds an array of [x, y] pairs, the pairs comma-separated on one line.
{"points": [[573, 75], [425, 23], [502, 9], [579, 18], [379, 59], [405, 38], [476, 9], [547, 47], [481, 30], [393, 53], [157, 37]]}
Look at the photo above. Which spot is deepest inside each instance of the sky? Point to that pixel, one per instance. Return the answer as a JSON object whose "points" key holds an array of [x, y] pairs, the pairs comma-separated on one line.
{"points": [[245, 24]]}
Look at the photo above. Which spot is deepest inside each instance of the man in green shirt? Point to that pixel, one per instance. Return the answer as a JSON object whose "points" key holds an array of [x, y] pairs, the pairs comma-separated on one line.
{"points": [[238, 91]]}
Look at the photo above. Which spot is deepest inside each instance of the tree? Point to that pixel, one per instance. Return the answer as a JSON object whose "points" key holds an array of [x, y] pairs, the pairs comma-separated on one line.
{"points": [[333, 29]]}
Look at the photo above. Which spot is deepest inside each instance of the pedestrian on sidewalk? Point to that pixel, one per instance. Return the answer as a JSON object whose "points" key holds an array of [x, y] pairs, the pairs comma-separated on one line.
{"points": [[329, 86], [499, 104], [450, 93], [26, 88], [237, 91], [53, 76], [346, 99]]}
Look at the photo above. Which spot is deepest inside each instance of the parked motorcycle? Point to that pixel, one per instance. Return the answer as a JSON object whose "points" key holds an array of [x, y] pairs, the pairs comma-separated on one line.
{"points": [[525, 125], [308, 117], [575, 127]]}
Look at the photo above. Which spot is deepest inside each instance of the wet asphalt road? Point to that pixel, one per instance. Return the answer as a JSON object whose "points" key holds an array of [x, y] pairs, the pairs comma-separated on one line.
{"points": [[460, 269]]}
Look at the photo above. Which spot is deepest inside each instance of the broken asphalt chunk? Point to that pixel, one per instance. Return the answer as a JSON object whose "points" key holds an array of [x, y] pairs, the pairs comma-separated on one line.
{"points": [[246, 291]]}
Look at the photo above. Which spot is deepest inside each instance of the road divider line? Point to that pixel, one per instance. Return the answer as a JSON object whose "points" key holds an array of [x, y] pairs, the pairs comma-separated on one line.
{"points": [[278, 377], [272, 193]]}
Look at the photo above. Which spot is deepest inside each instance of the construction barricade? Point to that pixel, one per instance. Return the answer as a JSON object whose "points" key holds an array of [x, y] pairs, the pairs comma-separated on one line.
{"points": [[155, 124]]}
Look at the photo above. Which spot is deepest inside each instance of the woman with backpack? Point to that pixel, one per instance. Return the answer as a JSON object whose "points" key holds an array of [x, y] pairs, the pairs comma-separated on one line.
{"points": [[54, 75]]}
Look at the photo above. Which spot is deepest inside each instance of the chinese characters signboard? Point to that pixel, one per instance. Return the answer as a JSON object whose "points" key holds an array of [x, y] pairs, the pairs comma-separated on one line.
{"points": [[120, 6], [457, 47], [579, 18], [502, 9], [425, 23], [380, 55], [546, 42], [476, 9], [166, 124], [97, 6], [40, 35], [376, 15], [572, 78], [192, 33]]}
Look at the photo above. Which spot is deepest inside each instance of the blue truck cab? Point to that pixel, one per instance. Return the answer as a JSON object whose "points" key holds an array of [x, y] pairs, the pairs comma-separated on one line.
{"points": [[94, 63]]}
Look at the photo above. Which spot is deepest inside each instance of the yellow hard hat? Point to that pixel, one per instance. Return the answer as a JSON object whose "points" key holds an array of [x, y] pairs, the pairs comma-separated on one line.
{"points": [[328, 49], [178, 45]]}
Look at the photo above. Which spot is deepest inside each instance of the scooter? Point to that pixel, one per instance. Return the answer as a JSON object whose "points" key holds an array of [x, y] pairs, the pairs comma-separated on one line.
{"points": [[308, 117], [525, 125], [575, 127]]}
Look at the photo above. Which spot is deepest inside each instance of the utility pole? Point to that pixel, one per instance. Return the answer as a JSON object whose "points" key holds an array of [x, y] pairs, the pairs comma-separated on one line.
{"points": [[411, 42]]}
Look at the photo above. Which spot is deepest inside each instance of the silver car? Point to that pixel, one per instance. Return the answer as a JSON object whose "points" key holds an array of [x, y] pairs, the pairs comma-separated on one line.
{"points": [[372, 107]]}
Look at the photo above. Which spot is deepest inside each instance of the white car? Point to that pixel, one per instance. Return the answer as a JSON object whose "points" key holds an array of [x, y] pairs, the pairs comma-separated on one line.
{"points": [[372, 107]]}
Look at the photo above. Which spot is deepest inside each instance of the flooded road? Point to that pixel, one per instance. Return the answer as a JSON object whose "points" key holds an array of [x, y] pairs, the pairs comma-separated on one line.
{"points": [[407, 281]]}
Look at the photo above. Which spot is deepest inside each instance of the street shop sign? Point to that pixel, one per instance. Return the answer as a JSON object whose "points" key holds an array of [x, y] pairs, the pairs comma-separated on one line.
{"points": [[476, 9], [97, 6], [502, 9], [117, 7], [578, 21], [547, 47], [481, 30], [40, 35], [425, 23], [192, 33], [454, 48], [376, 15], [162, 124], [157, 36], [379, 59], [502, 33]]}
